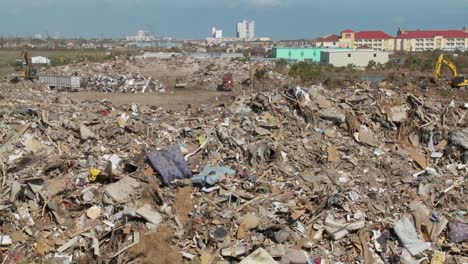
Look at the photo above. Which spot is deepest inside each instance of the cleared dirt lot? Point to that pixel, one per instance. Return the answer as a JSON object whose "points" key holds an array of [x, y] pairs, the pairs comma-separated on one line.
{"points": [[173, 100]]}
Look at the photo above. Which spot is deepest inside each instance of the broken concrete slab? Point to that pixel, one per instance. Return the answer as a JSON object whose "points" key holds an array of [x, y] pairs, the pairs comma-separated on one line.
{"points": [[460, 138], [5, 240], [233, 251], [295, 256], [15, 189], [150, 215], [397, 113], [333, 115], [86, 133], [259, 256], [93, 212], [122, 190]]}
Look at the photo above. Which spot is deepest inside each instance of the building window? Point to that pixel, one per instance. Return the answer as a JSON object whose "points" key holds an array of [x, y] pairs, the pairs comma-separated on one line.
{"points": [[348, 36], [349, 55], [375, 55]]}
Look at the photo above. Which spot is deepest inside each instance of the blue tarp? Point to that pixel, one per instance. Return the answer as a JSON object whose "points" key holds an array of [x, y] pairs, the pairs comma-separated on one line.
{"points": [[170, 164]]}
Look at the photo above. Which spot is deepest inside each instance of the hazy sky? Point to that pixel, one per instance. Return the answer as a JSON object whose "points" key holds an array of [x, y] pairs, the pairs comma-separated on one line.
{"points": [[279, 19]]}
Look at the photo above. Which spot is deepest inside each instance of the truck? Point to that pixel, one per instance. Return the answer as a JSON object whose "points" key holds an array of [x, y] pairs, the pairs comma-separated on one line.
{"points": [[71, 83], [228, 83]]}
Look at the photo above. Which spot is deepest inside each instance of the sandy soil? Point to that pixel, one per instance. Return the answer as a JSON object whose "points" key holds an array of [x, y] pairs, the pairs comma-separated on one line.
{"points": [[183, 204], [172, 100], [156, 248]]}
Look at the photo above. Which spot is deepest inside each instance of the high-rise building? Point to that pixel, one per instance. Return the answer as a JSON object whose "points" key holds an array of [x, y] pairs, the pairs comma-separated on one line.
{"points": [[246, 30], [216, 33], [141, 36]]}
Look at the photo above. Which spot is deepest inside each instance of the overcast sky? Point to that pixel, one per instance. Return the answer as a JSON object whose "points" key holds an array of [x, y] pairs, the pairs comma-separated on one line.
{"points": [[279, 19]]}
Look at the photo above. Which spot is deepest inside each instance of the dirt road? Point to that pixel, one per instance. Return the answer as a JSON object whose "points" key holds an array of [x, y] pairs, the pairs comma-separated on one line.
{"points": [[172, 100]]}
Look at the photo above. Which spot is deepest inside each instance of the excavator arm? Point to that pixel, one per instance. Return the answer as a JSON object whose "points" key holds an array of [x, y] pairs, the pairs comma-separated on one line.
{"points": [[440, 62], [25, 57], [457, 80], [28, 72]]}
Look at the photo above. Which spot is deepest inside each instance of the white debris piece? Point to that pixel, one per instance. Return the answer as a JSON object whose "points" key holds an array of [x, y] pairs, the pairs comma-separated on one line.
{"points": [[406, 232]]}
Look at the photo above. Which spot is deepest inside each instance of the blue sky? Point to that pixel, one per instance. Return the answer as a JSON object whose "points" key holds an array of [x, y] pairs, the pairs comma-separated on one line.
{"points": [[279, 19]]}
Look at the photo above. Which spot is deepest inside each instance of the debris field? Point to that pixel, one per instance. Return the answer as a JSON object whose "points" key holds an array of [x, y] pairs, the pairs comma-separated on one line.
{"points": [[297, 174]]}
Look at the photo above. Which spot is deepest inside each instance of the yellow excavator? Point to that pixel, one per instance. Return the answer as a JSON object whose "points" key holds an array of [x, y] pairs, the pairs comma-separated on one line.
{"points": [[457, 80], [24, 66]]}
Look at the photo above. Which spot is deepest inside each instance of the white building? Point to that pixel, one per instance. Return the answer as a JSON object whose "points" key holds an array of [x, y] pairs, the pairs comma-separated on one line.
{"points": [[329, 41], [246, 30], [216, 33], [141, 36], [38, 36], [40, 60], [359, 58]]}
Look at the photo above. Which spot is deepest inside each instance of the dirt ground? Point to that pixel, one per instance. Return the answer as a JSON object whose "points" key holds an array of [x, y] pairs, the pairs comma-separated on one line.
{"points": [[174, 99], [183, 204], [155, 248]]}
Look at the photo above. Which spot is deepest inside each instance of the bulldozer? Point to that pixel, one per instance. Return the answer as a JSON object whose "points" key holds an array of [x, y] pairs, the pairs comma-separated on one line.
{"points": [[180, 82], [457, 80], [25, 68]]}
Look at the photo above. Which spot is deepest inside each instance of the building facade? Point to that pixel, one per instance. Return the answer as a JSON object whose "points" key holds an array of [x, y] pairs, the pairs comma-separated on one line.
{"points": [[329, 41], [427, 40], [216, 33], [246, 30], [141, 36], [375, 40], [300, 54], [358, 58]]}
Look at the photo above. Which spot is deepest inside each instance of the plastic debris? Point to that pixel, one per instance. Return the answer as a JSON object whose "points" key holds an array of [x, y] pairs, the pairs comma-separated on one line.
{"points": [[406, 232], [211, 175]]}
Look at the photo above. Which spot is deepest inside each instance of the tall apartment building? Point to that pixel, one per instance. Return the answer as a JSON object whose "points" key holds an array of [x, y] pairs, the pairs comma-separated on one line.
{"points": [[141, 36], [246, 30], [424, 40], [216, 33]]}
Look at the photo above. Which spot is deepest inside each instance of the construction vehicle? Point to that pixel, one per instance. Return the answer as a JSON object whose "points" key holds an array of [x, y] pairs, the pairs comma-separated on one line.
{"points": [[24, 66], [457, 80], [180, 82], [66, 83], [228, 83], [260, 71]]}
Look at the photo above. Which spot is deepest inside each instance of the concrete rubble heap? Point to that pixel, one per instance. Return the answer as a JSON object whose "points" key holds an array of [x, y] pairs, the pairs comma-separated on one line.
{"points": [[122, 84], [302, 175], [124, 76]]}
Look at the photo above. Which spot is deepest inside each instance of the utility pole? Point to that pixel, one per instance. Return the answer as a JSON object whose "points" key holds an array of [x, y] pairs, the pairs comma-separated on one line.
{"points": [[251, 78]]}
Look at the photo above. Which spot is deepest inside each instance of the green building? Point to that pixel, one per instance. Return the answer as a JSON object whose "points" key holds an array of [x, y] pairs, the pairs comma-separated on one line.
{"points": [[301, 54]]}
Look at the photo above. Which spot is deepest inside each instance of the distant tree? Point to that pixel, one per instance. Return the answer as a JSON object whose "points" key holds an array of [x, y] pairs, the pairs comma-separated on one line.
{"points": [[350, 66], [372, 65]]}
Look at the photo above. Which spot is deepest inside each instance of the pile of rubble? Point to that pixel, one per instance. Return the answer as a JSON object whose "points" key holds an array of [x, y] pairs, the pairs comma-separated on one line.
{"points": [[151, 75], [111, 77], [304, 175], [122, 84]]}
